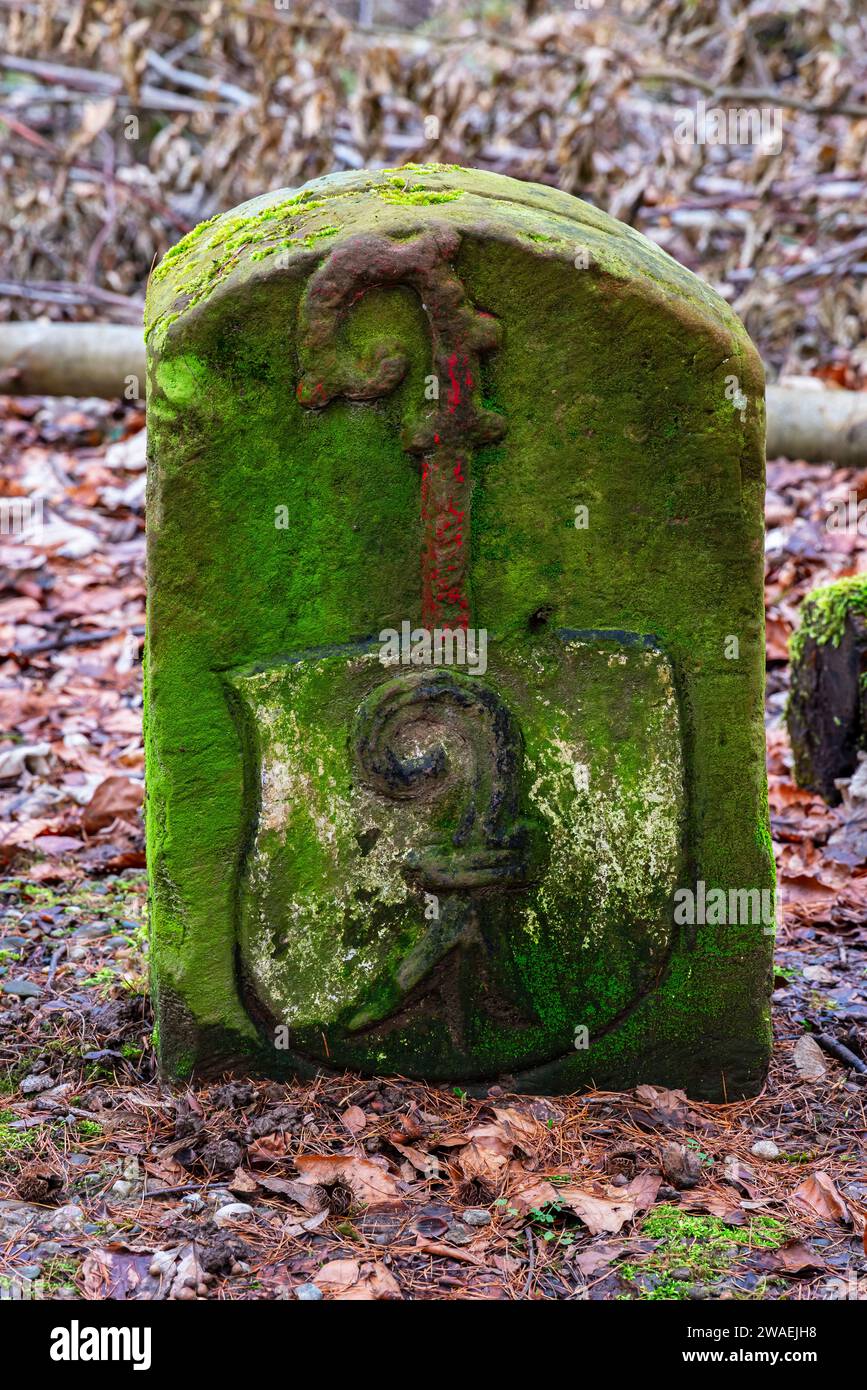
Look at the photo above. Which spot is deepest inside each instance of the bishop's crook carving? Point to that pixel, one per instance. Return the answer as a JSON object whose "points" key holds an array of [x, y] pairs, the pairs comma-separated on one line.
{"points": [[443, 438]]}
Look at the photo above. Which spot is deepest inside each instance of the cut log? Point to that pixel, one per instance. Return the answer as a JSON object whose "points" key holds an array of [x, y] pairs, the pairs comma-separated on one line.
{"points": [[72, 359], [93, 359], [818, 425], [827, 710]]}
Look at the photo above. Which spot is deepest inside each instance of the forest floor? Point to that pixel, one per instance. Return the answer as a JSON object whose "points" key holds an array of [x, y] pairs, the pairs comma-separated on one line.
{"points": [[114, 1185]]}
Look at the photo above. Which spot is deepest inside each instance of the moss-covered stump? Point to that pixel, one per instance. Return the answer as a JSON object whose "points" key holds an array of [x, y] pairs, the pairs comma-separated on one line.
{"points": [[827, 709], [455, 646]]}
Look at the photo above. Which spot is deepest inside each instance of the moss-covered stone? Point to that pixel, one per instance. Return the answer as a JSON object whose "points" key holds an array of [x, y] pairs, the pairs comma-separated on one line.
{"points": [[612, 752], [827, 707]]}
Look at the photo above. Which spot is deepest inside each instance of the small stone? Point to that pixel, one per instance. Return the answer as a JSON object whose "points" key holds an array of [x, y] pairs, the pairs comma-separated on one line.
{"points": [[68, 1218], [193, 1202], [457, 1235], [123, 1187], [28, 1271], [24, 989], [765, 1148], [682, 1273], [476, 1216], [308, 1293], [620, 1180], [232, 1211], [185, 1293], [32, 1085], [90, 930]]}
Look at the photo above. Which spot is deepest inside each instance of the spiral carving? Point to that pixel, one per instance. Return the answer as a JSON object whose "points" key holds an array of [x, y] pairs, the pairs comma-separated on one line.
{"points": [[490, 845]]}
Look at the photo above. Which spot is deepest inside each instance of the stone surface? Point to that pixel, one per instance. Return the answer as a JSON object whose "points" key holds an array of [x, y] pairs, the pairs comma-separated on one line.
{"points": [[827, 707], [397, 404], [309, 1293], [765, 1148], [231, 1212], [24, 989], [476, 1216]]}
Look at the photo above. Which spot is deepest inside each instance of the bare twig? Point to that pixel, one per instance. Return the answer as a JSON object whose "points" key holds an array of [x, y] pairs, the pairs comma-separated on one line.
{"points": [[65, 292], [773, 96]]}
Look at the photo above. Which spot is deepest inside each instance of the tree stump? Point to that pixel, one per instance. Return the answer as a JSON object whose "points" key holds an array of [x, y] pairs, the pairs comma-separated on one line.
{"points": [[828, 697]]}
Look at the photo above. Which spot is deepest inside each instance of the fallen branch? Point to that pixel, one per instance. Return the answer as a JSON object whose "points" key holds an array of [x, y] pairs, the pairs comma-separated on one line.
{"points": [[842, 1053], [65, 292], [93, 359], [71, 359], [816, 424], [71, 639], [771, 96]]}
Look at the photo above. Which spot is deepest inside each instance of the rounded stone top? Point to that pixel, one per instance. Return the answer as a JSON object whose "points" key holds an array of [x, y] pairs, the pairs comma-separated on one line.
{"points": [[290, 231]]}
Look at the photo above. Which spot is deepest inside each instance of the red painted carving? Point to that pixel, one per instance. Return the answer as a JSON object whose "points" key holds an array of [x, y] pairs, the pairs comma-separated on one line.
{"points": [[443, 437]]}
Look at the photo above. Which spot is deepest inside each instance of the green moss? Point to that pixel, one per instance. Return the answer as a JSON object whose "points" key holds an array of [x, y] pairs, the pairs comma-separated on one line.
{"points": [[417, 197], [14, 1141], [59, 1272], [195, 273], [424, 169], [824, 613], [703, 1245]]}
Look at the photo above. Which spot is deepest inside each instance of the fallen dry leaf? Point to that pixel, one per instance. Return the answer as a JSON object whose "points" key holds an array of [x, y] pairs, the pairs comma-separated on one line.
{"points": [[818, 1196], [270, 1148], [643, 1189], [301, 1193], [809, 1059], [598, 1255], [527, 1192], [117, 798], [670, 1109], [368, 1181], [598, 1214], [350, 1279], [715, 1204], [242, 1182], [354, 1119], [789, 1259], [524, 1130]]}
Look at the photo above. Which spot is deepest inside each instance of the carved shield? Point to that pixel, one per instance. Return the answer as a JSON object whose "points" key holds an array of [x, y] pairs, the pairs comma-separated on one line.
{"points": [[490, 859]]}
